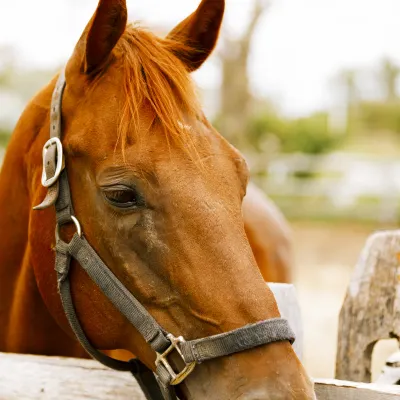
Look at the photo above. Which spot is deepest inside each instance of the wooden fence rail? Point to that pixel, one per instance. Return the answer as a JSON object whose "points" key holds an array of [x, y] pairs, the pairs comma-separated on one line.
{"points": [[48, 378]]}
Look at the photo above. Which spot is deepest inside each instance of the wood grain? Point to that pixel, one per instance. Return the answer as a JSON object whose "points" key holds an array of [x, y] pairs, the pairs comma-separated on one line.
{"points": [[371, 309], [331, 389], [47, 378]]}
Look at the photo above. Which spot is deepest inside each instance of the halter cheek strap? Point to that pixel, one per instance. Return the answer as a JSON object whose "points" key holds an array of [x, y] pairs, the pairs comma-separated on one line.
{"points": [[160, 385]]}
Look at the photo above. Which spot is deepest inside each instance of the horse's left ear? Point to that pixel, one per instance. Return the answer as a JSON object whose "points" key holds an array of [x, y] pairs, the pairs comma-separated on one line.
{"points": [[103, 32], [199, 32]]}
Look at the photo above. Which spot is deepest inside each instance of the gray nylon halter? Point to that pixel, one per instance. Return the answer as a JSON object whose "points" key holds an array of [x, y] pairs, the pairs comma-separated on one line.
{"points": [[159, 385]]}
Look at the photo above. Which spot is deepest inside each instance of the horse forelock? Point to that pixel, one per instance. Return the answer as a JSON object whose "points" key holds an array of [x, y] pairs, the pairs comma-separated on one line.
{"points": [[154, 76]]}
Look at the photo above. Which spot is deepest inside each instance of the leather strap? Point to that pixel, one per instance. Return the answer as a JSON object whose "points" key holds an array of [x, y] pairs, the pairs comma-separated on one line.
{"points": [[109, 284], [241, 339], [49, 162], [146, 380]]}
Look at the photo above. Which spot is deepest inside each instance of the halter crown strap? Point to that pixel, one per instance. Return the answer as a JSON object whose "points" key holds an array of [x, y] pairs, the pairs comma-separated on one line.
{"points": [[191, 352]]}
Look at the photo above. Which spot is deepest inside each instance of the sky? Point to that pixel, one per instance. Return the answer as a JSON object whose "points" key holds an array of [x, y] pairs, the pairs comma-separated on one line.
{"points": [[298, 47]]}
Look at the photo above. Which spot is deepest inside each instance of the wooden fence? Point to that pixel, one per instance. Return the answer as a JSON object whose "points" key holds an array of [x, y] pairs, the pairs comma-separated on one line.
{"points": [[48, 378], [371, 310]]}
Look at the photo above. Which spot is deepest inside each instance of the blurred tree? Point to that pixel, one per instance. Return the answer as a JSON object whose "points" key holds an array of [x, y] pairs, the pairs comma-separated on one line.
{"points": [[253, 125], [366, 116], [17, 85], [7, 62], [389, 76], [377, 116], [261, 126], [235, 92], [310, 135], [347, 80]]}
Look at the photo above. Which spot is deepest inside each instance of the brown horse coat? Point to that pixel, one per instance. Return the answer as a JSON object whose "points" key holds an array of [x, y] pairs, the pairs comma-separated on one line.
{"points": [[161, 204]]}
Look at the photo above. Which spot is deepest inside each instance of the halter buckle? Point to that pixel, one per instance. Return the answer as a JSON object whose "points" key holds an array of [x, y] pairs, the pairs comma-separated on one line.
{"points": [[46, 181], [177, 378]]}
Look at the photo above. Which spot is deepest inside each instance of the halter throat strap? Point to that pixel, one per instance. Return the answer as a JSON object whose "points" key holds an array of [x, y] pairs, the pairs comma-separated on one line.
{"points": [[192, 352]]}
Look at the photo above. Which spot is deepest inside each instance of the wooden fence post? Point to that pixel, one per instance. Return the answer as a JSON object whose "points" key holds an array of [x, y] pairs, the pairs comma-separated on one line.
{"points": [[371, 309], [289, 307]]}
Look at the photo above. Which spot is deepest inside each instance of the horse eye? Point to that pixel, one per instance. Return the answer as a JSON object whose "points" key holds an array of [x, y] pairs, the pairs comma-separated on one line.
{"points": [[123, 198]]}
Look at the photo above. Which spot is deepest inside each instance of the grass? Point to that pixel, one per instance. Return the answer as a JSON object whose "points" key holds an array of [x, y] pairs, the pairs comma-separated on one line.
{"points": [[4, 139], [377, 144], [367, 209]]}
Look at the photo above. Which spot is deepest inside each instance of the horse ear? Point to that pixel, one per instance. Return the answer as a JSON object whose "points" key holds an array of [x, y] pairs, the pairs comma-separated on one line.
{"points": [[103, 32], [199, 32]]}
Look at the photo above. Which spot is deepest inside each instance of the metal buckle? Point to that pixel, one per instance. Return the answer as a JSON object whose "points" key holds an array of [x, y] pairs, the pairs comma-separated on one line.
{"points": [[46, 182], [177, 378]]}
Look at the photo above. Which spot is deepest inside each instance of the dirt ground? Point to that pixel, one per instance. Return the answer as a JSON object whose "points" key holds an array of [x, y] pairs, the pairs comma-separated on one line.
{"points": [[325, 255]]}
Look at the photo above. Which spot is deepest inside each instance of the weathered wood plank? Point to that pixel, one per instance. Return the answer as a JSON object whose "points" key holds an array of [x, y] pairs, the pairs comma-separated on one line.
{"points": [[48, 378], [371, 309], [289, 307], [331, 389]]}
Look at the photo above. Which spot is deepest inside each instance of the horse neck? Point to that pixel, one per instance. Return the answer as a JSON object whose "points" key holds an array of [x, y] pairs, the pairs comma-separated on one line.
{"points": [[18, 176], [22, 163]]}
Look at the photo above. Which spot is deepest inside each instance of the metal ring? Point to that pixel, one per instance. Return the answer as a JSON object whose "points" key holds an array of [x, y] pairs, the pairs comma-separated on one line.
{"points": [[77, 226]]}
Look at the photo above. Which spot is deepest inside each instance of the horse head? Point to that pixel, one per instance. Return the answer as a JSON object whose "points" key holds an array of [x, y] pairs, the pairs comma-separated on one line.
{"points": [[158, 193]]}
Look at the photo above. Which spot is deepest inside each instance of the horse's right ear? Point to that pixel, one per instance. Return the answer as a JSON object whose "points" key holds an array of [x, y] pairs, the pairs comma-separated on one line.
{"points": [[103, 32]]}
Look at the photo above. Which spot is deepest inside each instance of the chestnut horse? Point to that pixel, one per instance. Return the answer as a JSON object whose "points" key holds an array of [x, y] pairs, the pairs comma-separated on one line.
{"points": [[269, 236], [158, 193]]}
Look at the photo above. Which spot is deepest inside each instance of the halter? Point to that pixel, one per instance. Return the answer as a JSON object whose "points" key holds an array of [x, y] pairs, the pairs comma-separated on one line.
{"points": [[160, 385]]}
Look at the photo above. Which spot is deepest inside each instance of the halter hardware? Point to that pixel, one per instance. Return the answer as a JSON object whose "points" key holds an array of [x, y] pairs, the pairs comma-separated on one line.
{"points": [[54, 141], [176, 378], [77, 227]]}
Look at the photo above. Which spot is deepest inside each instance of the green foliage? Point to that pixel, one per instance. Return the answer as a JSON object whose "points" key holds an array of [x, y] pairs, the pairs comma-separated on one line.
{"points": [[4, 138], [309, 135], [389, 74], [377, 115], [262, 125]]}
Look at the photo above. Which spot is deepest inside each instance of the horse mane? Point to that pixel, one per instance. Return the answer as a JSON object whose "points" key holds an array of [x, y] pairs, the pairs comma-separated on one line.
{"points": [[154, 76]]}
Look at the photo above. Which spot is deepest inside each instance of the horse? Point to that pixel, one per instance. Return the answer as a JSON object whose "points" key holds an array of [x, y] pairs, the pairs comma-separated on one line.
{"points": [[158, 194], [269, 236]]}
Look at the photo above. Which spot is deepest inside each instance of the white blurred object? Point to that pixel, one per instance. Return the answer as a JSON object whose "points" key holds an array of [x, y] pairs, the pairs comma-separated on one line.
{"points": [[289, 307], [390, 374]]}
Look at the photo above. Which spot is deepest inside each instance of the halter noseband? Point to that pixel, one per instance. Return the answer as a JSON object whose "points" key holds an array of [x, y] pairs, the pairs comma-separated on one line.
{"points": [[54, 178]]}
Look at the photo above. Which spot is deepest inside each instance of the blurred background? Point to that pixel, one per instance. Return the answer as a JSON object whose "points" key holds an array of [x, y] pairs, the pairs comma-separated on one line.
{"points": [[308, 90]]}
